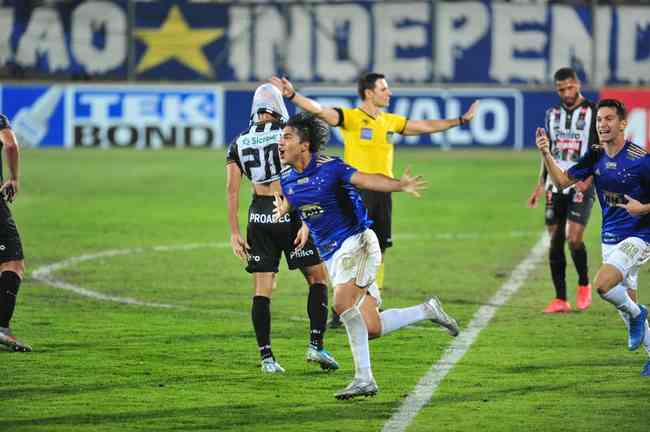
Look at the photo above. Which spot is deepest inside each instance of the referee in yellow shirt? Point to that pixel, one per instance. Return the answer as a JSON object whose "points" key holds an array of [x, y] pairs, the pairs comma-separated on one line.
{"points": [[367, 146]]}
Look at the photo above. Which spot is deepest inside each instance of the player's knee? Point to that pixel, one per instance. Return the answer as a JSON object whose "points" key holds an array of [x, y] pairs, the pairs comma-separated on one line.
{"points": [[17, 267], [575, 243], [374, 331], [606, 279]]}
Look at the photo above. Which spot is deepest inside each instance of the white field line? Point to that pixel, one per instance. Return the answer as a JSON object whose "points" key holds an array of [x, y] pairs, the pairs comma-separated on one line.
{"points": [[428, 384], [45, 273]]}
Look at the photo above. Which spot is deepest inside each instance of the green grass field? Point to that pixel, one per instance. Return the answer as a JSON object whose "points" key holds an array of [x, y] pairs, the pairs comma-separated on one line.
{"points": [[99, 365]]}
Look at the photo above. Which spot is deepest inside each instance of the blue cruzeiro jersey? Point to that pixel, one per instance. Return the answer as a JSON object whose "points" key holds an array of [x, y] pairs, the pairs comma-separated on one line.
{"points": [[627, 173], [330, 206]]}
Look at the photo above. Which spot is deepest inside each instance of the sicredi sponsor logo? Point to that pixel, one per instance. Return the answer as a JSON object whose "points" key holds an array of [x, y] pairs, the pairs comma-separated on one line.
{"points": [[498, 121], [145, 118]]}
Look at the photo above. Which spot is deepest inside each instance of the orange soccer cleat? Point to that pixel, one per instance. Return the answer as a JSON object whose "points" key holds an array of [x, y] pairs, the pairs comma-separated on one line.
{"points": [[583, 298], [558, 306]]}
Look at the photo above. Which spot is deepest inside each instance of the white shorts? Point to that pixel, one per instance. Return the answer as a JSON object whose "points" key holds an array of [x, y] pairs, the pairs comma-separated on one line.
{"points": [[358, 259], [627, 256]]}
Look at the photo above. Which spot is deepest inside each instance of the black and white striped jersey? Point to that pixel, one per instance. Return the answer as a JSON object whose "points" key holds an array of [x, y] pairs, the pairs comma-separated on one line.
{"points": [[255, 151], [571, 133]]}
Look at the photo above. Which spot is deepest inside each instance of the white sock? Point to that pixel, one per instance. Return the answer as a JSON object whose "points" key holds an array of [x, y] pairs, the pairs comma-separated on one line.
{"points": [[618, 297], [358, 337], [646, 340], [393, 319]]}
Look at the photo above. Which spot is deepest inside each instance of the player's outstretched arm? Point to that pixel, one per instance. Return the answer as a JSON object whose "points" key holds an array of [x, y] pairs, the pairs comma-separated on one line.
{"points": [[10, 187], [559, 177], [330, 115], [379, 182], [420, 127], [233, 182]]}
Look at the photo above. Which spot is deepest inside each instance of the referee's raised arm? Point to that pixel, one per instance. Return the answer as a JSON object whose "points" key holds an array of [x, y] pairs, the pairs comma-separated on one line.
{"points": [[330, 115]]}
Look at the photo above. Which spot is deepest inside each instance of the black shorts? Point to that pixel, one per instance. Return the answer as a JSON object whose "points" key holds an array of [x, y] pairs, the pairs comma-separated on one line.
{"points": [[268, 239], [380, 209], [574, 206], [11, 248]]}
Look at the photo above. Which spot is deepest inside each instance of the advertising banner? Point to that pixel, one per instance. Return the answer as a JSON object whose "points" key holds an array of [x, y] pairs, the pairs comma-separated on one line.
{"points": [[114, 116]]}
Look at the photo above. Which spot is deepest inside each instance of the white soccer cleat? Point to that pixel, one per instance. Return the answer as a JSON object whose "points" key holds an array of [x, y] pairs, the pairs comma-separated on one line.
{"points": [[437, 315], [269, 365], [10, 341], [322, 357], [357, 388]]}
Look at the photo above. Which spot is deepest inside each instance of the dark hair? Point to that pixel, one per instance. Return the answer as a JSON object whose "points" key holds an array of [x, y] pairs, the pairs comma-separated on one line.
{"points": [[367, 82], [619, 106], [565, 73], [311, 129]]}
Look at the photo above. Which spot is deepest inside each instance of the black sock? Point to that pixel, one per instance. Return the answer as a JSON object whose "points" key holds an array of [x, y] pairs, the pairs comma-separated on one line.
{"points": [[317, 311], [9, 284], [335, 317], [261, 314], [579, 256], [557, 261]]}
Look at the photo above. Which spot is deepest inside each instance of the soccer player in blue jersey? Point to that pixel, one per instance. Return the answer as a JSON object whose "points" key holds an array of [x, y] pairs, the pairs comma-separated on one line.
{"points": [[621, 172], [323, 191]]}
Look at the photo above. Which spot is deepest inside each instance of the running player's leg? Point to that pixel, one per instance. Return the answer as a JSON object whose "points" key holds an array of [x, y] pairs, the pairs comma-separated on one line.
{"points": [[577, 219], [555, 218], [620, 263]]}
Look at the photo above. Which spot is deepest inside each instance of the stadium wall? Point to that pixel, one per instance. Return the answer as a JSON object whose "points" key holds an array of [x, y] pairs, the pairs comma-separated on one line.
{"points": [[485, 42]]}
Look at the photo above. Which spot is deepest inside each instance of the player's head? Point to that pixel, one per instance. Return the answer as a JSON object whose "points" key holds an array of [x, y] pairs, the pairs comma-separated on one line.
{"points": [[611, 120], [268, 105], [304, 133], [374, 88], [567, 86]]}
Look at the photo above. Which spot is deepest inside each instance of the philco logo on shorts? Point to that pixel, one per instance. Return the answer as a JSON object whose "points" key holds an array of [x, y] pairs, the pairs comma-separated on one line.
{"points": [[302, 253], [263, 218]]}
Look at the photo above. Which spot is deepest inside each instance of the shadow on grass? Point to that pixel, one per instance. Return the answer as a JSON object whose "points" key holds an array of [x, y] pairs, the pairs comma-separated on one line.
{"points": [[222, 417]]}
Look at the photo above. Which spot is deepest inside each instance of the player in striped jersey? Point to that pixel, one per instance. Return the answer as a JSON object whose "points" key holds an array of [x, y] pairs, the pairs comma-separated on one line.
{"points": [[367, 131], [571, 129], [254, 154], [621, 172]]}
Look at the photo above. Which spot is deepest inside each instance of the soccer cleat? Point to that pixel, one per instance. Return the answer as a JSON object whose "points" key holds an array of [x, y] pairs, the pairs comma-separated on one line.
{"points": [[583, 298], [10, 341], [636, 332], [322, 357], [646, 369], [358, 388], [269, 365], [437, 315], [558, 306]]}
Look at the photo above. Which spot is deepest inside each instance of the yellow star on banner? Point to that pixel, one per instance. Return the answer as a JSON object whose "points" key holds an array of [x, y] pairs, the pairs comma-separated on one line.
{"points": [[176, 40]]}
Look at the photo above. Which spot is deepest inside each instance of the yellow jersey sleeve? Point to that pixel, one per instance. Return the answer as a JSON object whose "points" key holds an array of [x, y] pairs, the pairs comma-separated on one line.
{"points": [[367, 140]]}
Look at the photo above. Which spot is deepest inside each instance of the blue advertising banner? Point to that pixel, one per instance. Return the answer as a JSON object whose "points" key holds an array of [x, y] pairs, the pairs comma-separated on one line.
{"points": [[36, 113], [77, 38], [507, 118], [108, 116], [144, 117]]}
